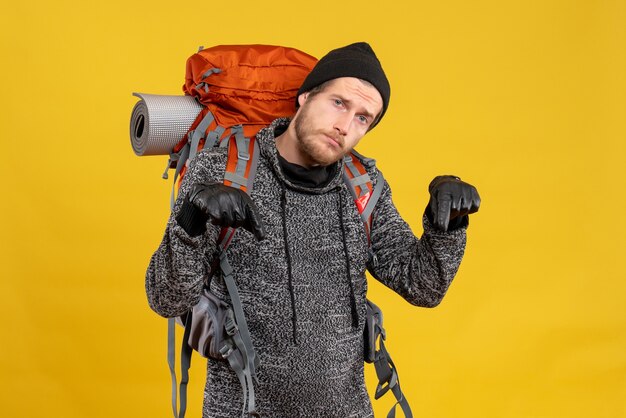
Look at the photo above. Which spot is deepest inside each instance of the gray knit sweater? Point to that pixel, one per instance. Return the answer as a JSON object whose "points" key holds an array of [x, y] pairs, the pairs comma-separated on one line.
{"points": [[303, 288]]}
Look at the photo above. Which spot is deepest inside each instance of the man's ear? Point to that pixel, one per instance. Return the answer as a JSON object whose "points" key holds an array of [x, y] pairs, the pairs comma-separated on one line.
{"points": [[302, 98]]}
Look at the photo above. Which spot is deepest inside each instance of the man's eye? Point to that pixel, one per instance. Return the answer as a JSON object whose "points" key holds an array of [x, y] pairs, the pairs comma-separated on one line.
{"points": [[338, 102], [362, 119]]}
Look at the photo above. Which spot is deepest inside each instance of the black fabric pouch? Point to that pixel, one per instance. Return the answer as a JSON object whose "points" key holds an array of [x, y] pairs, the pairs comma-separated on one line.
{"points": [[211, 323], [373, 329]]}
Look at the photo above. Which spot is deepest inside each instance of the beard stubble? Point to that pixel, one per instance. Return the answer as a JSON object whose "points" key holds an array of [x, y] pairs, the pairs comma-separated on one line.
{"points": [[313, 150]]}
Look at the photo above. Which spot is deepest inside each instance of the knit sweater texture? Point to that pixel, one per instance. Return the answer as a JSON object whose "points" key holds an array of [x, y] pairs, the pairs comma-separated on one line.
{"points": [[303, 288]]}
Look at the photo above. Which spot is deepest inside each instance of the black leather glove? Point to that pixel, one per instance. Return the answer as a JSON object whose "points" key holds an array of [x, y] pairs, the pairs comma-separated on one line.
{"points": [[451, 201], [224, 205]]}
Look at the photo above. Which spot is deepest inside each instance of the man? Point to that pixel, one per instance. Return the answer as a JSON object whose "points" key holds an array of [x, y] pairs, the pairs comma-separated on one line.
{"points": [[300, 266]]}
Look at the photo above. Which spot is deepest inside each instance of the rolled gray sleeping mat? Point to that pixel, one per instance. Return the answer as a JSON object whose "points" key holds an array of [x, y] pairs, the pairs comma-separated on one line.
{"points": [[159, 122]]}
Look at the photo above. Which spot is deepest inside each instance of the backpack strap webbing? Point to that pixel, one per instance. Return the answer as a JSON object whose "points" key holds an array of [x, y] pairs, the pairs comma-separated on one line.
{"points": [[241, 165], [243, 158], [185, 363], [359, 183], [180, 157], [246, 372], [388, 379], [199, 133], [385, 368], [171, 360]]}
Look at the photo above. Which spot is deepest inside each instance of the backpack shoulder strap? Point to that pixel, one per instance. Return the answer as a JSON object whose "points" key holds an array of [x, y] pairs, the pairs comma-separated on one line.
{"points": [[365, 195], [241, 164], [364, 192], [243, 159]]}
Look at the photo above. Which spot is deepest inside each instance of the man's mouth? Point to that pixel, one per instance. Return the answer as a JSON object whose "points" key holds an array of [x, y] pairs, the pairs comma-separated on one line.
{"points": [[334, 140]]}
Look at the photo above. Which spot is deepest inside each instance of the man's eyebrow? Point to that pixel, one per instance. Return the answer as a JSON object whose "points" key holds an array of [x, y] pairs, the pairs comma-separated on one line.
{"points": [[347, 101]]}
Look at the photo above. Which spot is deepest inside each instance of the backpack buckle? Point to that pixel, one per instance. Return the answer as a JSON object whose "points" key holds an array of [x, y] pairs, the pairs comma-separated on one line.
{"points": [[227, 350], [243, 155], [229, 325]]}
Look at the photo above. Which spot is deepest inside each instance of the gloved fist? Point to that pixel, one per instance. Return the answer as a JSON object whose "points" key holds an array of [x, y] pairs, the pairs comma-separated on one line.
{"points": [[224, 205], [451, 200]]}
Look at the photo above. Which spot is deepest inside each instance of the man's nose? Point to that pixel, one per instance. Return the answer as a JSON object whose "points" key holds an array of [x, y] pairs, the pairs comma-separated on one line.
{"points": [[343, 122]]}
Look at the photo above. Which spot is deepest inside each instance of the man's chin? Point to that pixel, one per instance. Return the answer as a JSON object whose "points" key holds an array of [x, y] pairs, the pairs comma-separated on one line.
{"points": [[326, 161], [323, 153]]}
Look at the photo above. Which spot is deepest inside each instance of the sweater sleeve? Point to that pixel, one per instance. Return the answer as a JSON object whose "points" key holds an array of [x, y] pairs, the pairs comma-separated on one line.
{"points": [[180, 265], [418, 269]]}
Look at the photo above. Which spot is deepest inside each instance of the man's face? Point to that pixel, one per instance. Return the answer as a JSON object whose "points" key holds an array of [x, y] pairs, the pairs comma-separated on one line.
{"points": [[330, 123]]}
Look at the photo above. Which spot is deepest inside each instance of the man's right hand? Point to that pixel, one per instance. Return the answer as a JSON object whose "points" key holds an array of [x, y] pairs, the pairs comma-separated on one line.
{"points": [[224, 205], [451, 201]]}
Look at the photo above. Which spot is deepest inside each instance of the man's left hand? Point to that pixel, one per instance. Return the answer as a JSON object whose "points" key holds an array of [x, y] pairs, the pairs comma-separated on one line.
{"points": [[451, 201]]}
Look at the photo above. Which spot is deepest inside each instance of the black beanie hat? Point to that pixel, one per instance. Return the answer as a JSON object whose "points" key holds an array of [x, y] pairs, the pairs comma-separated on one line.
{"points": [[355, 60]]}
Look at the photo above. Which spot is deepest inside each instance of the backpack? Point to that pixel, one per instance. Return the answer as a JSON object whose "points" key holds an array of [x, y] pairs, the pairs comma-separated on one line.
{"points": [[242, 89]]}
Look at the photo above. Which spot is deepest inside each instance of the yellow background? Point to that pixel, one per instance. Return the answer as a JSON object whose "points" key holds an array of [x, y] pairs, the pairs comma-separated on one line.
{"points": [[524, 99]]}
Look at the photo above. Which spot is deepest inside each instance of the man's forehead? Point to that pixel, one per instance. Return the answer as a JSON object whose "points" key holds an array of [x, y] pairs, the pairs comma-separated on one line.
{"points": [[357, 89]]}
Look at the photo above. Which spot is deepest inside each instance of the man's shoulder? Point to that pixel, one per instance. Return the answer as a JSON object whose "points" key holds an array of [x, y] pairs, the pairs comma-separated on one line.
{"points": [[214, 153], [214, 157], [209, 163]]}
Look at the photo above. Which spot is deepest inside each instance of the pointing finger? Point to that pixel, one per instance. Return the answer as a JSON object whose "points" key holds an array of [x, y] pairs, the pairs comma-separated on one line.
{"points": [[254, 224], [442, 217], [434, 207], [475, 201]]}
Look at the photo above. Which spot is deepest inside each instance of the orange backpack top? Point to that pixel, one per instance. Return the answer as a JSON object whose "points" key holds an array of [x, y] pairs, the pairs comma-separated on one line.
{"points": [[249, 85], [243, 88]]}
